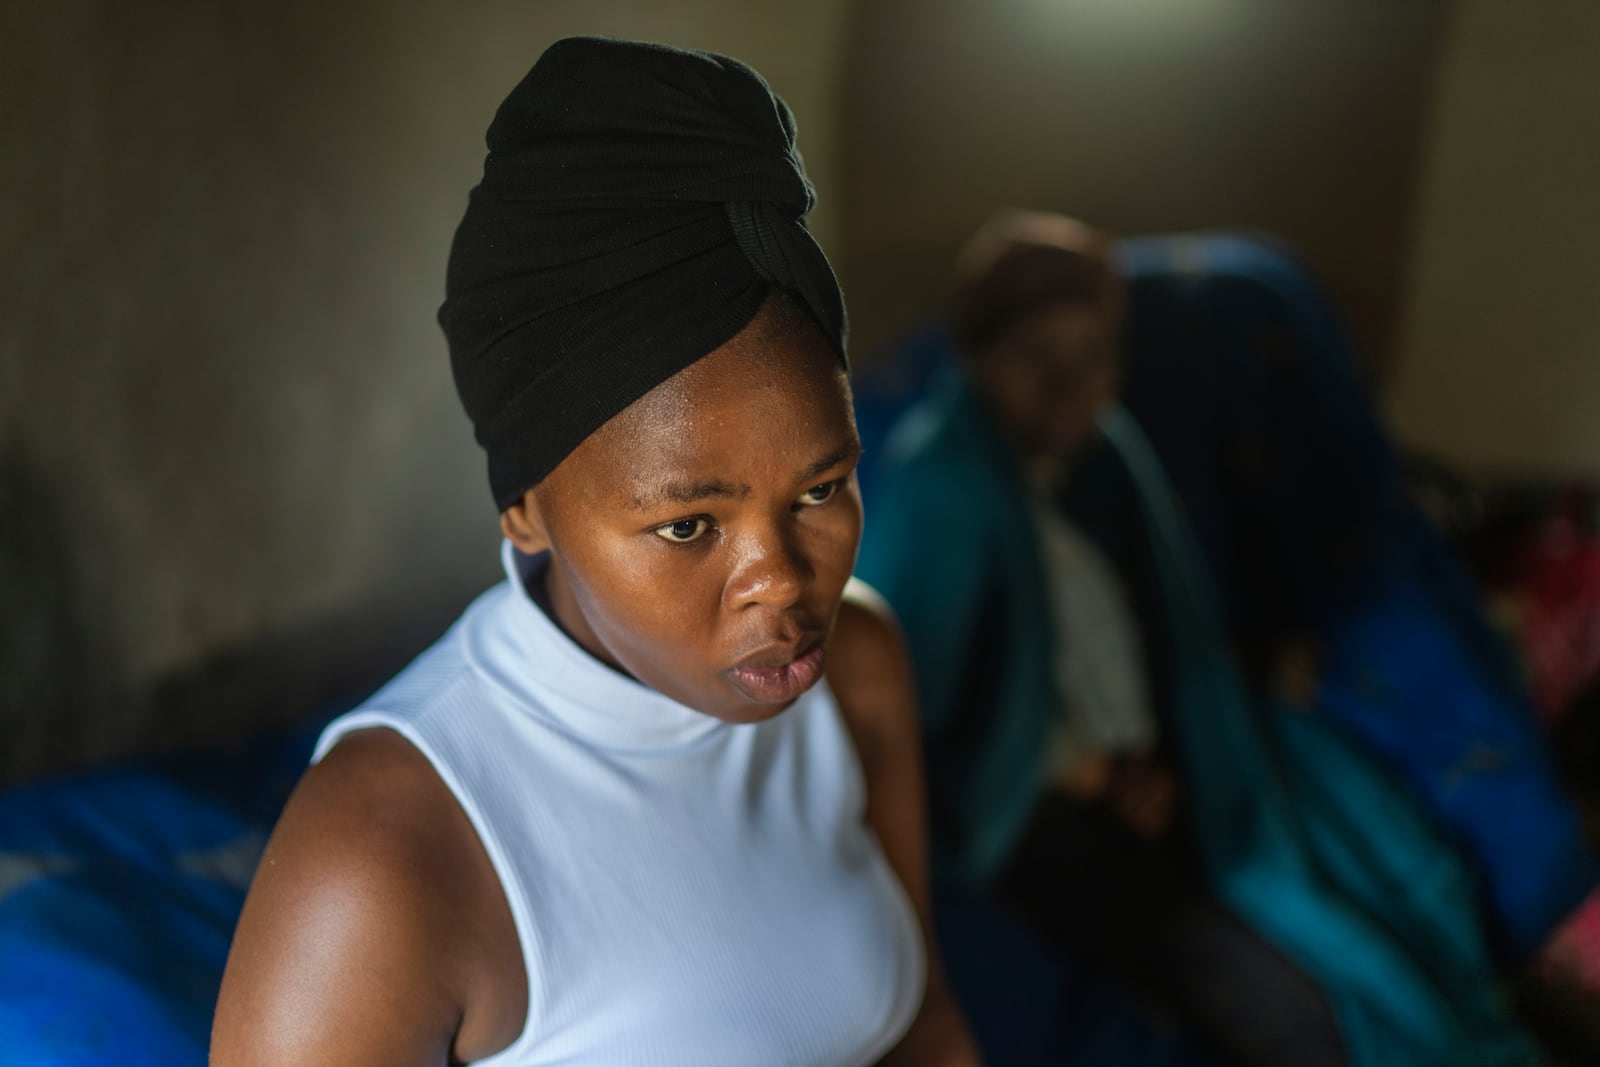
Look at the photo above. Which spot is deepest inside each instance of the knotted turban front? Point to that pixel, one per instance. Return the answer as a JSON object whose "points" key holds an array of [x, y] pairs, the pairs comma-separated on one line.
{"points": [[638, 203]]}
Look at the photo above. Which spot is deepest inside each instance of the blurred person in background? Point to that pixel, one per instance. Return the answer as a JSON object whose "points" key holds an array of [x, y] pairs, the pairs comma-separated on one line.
{"points": [[1048, 780], [1148, 796]]}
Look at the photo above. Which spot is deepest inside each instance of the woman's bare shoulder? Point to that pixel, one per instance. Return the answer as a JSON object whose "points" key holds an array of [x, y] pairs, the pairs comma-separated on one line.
{"points": [[372, 813], [366, 936]]}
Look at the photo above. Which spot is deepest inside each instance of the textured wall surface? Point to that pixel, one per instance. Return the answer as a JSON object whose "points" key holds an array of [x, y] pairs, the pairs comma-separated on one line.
{"points": [[1500, 352], [1300, 118], [233, 474]]}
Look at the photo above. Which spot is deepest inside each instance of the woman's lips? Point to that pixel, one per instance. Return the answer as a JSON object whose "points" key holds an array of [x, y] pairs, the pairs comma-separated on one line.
{"points": [[783, 682]]}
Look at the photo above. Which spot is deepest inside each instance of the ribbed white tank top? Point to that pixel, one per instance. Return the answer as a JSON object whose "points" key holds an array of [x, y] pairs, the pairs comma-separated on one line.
{"points": [[686, 891]]}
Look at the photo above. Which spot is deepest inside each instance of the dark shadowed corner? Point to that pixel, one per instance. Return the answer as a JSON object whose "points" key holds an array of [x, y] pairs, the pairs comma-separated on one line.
{"points": [[58, 667]]}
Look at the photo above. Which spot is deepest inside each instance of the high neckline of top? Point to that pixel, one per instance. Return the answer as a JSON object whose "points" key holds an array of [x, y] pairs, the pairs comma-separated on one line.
{"points": [[528, 654]]}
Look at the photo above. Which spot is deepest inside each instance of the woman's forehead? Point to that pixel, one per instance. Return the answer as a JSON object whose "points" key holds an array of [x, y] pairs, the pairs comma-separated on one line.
{"points": [[754, 409]]}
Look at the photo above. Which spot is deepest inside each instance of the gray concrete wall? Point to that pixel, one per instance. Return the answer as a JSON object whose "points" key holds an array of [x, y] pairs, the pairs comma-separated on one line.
{"points": [[233, 474]]}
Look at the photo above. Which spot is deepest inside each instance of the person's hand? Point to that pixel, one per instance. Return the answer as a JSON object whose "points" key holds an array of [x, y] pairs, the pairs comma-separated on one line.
{"points": [[1087, 778], [1297, 675], [1143, 792]]}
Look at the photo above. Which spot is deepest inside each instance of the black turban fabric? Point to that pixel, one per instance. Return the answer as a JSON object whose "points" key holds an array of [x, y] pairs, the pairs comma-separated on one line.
{"points": [[638, 204]]}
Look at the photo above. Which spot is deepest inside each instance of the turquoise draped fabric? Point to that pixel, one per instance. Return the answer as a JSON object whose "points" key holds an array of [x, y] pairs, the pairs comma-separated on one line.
{"points": [[1305, 837], [1302, 832], [950, 543]]}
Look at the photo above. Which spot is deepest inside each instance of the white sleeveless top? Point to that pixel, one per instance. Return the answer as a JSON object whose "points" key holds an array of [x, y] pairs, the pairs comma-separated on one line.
{"points": [[686, 891]]}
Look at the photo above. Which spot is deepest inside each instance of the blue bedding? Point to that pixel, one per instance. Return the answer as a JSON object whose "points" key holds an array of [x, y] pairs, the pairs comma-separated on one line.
{"points": [[119, 890]]}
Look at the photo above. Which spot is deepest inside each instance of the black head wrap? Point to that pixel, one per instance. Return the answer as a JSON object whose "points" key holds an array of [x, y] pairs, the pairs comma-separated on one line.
{"points": [[638, 203]]}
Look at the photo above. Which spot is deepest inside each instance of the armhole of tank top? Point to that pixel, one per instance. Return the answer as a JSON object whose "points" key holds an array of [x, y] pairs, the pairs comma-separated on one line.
{"points": [[520, 916], [909, 1001], [823, 693]]}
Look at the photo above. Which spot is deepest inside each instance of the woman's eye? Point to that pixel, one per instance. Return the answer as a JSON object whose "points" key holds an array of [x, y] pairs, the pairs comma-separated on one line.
{"points": [[818, 494], [683, 531]]}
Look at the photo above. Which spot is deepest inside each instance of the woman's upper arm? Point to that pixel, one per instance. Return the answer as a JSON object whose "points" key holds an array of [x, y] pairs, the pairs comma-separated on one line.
{"points": [[335, 960], [871, 676], [870, 673]]}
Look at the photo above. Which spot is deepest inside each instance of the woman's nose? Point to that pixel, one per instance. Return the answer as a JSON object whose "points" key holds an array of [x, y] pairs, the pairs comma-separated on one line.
{"points": [[770, 571]]}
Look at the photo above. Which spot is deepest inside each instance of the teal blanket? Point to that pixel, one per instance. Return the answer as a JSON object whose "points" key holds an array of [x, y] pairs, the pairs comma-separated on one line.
{"points": [[1314, 844]]}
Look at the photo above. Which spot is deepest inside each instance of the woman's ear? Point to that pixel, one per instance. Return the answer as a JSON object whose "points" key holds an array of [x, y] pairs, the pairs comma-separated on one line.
{"points": [[523, 525]]}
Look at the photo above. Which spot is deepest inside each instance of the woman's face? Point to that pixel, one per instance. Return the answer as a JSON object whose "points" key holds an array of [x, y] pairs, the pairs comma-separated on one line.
{"points": [[1047, 379], [701, 539]]}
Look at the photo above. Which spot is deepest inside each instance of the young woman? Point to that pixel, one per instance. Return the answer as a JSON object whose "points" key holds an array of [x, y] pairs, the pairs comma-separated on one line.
{"points": [[656, 798]]}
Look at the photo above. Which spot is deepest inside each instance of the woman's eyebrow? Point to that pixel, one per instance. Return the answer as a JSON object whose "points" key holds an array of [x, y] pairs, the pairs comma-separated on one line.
{"points": [[693, 492], [685, 493], [851, 450]]}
